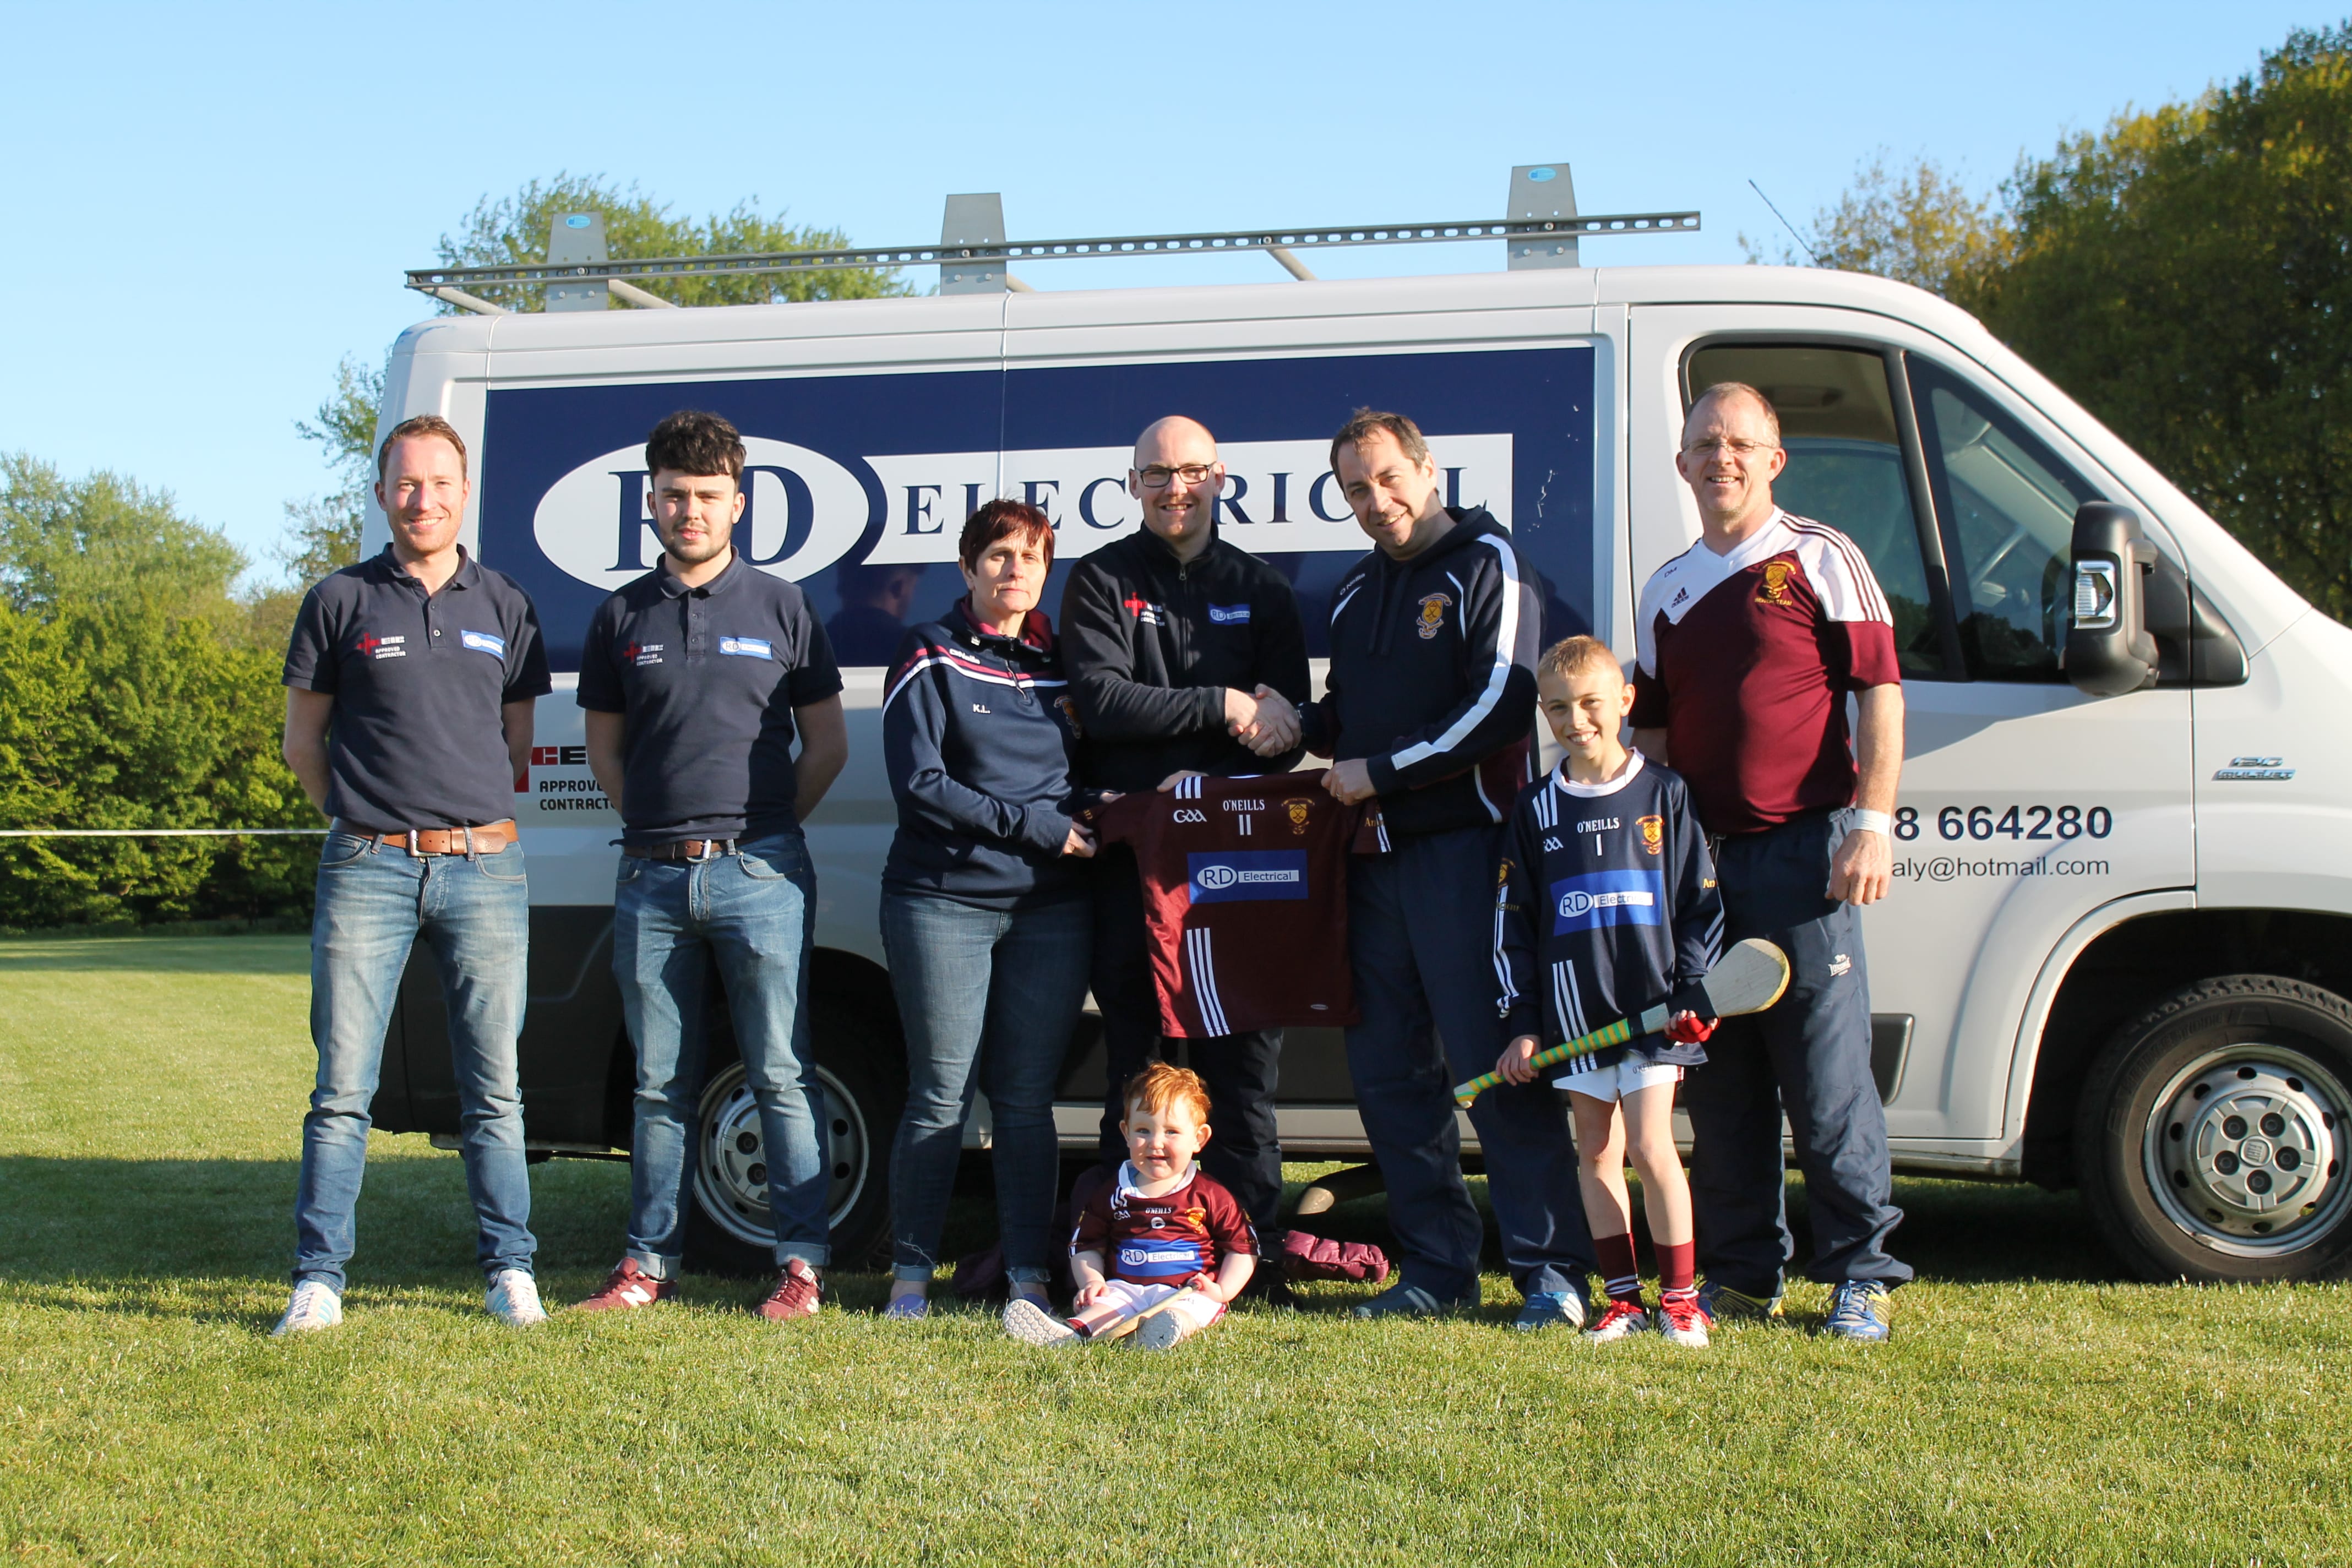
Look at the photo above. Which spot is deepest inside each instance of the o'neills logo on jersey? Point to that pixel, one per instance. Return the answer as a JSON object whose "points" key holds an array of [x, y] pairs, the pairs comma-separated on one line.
{"points": [[1608, 899], [1248, 874]]}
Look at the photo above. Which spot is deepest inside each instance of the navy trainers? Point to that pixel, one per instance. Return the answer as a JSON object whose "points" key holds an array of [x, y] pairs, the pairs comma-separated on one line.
{"points": [[1549, 1310], [1721, 1303], [1861, 1309], [1404, 1300]]}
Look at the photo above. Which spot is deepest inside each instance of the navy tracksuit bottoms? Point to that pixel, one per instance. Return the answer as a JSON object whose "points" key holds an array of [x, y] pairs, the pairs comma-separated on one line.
{"points": [[1807, 1058], [1420, 941]]}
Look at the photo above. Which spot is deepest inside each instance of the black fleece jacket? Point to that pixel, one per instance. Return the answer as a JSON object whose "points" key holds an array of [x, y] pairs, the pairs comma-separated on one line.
{"points": [[1432, 677], [1150, 645]]}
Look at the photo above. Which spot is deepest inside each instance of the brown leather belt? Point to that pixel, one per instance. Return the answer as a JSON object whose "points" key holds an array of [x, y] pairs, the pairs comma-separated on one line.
{"points": [[489, 839], [680, 849]]}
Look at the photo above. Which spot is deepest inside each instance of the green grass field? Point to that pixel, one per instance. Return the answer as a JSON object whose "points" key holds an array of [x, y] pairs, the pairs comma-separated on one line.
{"points": [[2033, 1407]]}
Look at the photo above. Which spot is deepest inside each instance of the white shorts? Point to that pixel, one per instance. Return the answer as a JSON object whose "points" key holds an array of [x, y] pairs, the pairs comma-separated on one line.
{"points": [[1620, 1079], [1124, 1300]]}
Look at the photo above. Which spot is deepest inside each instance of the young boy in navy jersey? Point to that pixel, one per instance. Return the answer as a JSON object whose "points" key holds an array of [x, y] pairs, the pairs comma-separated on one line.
{"points": [[1160, 1228], [1607, 905]]}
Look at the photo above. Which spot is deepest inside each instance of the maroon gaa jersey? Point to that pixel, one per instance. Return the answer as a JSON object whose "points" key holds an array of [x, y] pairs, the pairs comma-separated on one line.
{"points": [[1745, 660], [1164, 1240], [1246, 898]]}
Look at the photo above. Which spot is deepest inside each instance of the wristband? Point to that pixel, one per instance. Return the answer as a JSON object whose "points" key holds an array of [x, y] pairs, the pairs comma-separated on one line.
{"points": [[1868, 821]]}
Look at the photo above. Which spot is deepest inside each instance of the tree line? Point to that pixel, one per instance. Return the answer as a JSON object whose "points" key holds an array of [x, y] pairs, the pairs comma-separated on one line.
{"points": [[2185, 273]]}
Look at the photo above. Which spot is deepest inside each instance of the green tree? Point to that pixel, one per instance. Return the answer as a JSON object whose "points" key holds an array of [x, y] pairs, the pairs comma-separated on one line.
{"points": [[2185, 273], [1915, 223], [322, 533], [131, 696], [515, 228]]}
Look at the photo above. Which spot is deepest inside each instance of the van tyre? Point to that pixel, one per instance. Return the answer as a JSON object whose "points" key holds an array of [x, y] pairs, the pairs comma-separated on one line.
{"points": [[2210, 1140], [861, 1063]]}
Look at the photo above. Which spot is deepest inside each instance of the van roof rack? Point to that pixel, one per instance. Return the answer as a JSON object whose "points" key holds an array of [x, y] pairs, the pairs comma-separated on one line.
{"points": [[1541, 231]]}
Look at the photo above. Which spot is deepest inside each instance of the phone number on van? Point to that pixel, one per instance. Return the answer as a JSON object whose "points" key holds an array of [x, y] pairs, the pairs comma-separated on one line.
{"points": [[2020, 822]]}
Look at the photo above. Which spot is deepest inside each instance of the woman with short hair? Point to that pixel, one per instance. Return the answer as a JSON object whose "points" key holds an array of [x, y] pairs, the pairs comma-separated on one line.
{"points": [[986, 915]]}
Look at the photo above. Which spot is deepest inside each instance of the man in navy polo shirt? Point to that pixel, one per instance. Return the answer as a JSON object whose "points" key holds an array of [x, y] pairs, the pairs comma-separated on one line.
{"points": [[695, 677], [410, 680]]}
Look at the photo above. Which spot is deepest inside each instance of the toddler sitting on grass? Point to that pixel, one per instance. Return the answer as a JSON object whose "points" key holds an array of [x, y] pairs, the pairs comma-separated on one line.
{"points": [[1159, 1252]]}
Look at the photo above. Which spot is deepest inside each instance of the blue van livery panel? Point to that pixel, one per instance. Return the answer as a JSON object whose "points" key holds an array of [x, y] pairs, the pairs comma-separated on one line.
{"points": [[858, 485]]}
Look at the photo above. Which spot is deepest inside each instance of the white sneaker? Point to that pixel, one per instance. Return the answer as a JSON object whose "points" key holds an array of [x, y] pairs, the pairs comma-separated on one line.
{"points": [[513, 1299], [315, 1306], [1033, 1325]]}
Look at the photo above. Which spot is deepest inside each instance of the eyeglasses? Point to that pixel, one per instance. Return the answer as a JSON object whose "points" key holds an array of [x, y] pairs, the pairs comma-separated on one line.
{"points": [[1738, 447], [1156, 477]]}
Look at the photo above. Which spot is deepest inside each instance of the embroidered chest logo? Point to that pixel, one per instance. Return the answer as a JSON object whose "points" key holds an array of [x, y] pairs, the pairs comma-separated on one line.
{"points": [[1774, 587], [373, 646], [642, 653], [1188, 814], [1297, 811], [1070, 715], [1680, 595], [1145, 612], [1431, 617], [483, 642], [1654, 833]]}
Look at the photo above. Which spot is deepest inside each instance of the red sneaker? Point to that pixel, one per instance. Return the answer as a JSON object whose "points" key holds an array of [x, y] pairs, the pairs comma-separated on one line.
{"points": [[628, 1286], [797, 1294]]}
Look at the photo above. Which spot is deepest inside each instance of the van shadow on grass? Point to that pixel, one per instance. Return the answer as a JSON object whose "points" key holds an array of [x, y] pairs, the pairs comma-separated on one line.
{"points": [[214, 1238]]}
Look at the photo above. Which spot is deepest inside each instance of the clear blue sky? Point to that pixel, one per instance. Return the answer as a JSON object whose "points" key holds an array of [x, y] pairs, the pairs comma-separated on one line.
{"points": [[212, 205]]}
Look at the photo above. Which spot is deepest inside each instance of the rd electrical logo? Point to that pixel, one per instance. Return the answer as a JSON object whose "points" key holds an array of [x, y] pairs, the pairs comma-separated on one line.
{"points": [[1607, 899], [1248, 874]]}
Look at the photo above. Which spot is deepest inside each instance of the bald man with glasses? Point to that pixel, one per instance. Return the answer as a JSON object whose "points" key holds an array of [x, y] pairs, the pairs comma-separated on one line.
{"points": [[1185, 654]]}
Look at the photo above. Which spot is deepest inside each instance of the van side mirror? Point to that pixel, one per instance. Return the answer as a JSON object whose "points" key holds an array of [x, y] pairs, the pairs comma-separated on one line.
{"points": [[2109, 650]]}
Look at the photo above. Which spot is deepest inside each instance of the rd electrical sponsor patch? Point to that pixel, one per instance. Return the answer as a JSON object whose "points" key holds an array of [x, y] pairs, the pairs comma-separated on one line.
{"points": [[1608, 899], [747, 647], [1248, 874], [484, 642]]}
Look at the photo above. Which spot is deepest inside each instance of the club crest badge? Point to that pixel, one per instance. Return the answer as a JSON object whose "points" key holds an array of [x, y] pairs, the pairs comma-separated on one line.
{"points": [[1297, 811], [1774, 588], [1654, 833], [1432, 618], [1070, 711]]}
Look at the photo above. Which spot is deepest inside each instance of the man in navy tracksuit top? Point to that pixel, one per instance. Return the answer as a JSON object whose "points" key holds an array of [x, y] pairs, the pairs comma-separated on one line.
{"points": [[1430, 706], [1185, 654]]}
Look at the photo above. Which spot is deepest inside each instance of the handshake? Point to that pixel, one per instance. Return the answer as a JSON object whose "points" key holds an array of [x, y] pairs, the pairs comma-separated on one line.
{"points": [[1263, 721]]}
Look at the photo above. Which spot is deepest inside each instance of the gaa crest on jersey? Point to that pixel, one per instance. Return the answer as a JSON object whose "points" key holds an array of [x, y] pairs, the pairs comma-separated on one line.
{"points": [[1774, 588], [1654, 833], [1431, 617], [1297, 811]]}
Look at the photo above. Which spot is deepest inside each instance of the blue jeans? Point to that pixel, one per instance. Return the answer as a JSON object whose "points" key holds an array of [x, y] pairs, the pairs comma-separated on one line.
{"points": [[988, 999], [1808, 1059], [373, 902], [753, 912], [1421, 924]]}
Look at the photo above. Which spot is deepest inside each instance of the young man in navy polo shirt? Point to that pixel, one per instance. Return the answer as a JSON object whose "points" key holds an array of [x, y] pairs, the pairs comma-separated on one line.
{"points": [[695, 677], [409, 686]]}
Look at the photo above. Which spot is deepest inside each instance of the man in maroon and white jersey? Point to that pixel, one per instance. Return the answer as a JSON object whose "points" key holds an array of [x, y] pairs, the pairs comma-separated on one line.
{"points": [[1749, 646], [1245, 897]]}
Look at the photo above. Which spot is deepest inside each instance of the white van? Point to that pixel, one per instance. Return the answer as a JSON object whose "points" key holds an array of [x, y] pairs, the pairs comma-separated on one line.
{"points": [[2120, 938]]}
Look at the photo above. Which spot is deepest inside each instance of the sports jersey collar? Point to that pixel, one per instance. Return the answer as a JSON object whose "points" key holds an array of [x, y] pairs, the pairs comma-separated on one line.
{"points": [[1036, 627], [1771, 537], [673, 589], [1634, 761], [1130, 1187]]}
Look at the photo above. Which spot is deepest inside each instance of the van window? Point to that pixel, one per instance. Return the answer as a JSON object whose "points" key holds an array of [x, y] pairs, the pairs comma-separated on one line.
{"points": [[1845, 467], [2007, 506]]}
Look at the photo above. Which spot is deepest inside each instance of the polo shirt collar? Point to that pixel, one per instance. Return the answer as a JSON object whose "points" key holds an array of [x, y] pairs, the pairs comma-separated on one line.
{"points": [[672, 588], [467, 575]]}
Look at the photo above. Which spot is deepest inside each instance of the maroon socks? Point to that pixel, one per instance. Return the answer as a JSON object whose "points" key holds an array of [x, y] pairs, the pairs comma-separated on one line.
{"points": [[1618, 1268]]}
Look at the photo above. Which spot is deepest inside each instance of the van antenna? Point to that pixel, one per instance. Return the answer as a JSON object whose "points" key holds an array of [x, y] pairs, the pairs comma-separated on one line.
{"points": [[1800, 238]]}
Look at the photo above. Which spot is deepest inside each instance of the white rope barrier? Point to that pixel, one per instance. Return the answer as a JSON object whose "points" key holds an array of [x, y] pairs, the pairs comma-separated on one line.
{"points": [[159, 832]]}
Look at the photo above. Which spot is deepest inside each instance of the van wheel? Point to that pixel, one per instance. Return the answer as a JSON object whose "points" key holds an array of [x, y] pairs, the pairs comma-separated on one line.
{"points": [[728, 1229], [2211, 1132]]}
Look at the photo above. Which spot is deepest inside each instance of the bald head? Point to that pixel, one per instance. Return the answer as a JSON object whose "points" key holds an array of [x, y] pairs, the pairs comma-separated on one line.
{"points": [[1730, 394], [1178, 479]]}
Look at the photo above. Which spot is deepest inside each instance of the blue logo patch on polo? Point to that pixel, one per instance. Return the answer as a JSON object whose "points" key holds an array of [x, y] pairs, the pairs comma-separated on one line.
{"points": [[746, 647], [1235, 873], [1229, 615], [483, 642], [1608, 899]]}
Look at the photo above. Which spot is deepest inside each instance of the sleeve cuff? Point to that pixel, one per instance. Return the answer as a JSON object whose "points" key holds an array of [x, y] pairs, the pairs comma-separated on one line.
{"points": [[1382, 773]]}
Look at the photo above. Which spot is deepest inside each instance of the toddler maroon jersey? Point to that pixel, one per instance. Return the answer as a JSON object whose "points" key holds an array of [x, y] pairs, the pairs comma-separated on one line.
{"points": [[1246, 896], [1164, 1240]]}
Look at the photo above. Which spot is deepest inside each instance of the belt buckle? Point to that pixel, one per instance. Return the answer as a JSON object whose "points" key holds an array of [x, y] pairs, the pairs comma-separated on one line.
{"points": [[710, 851], [412, 851]]}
